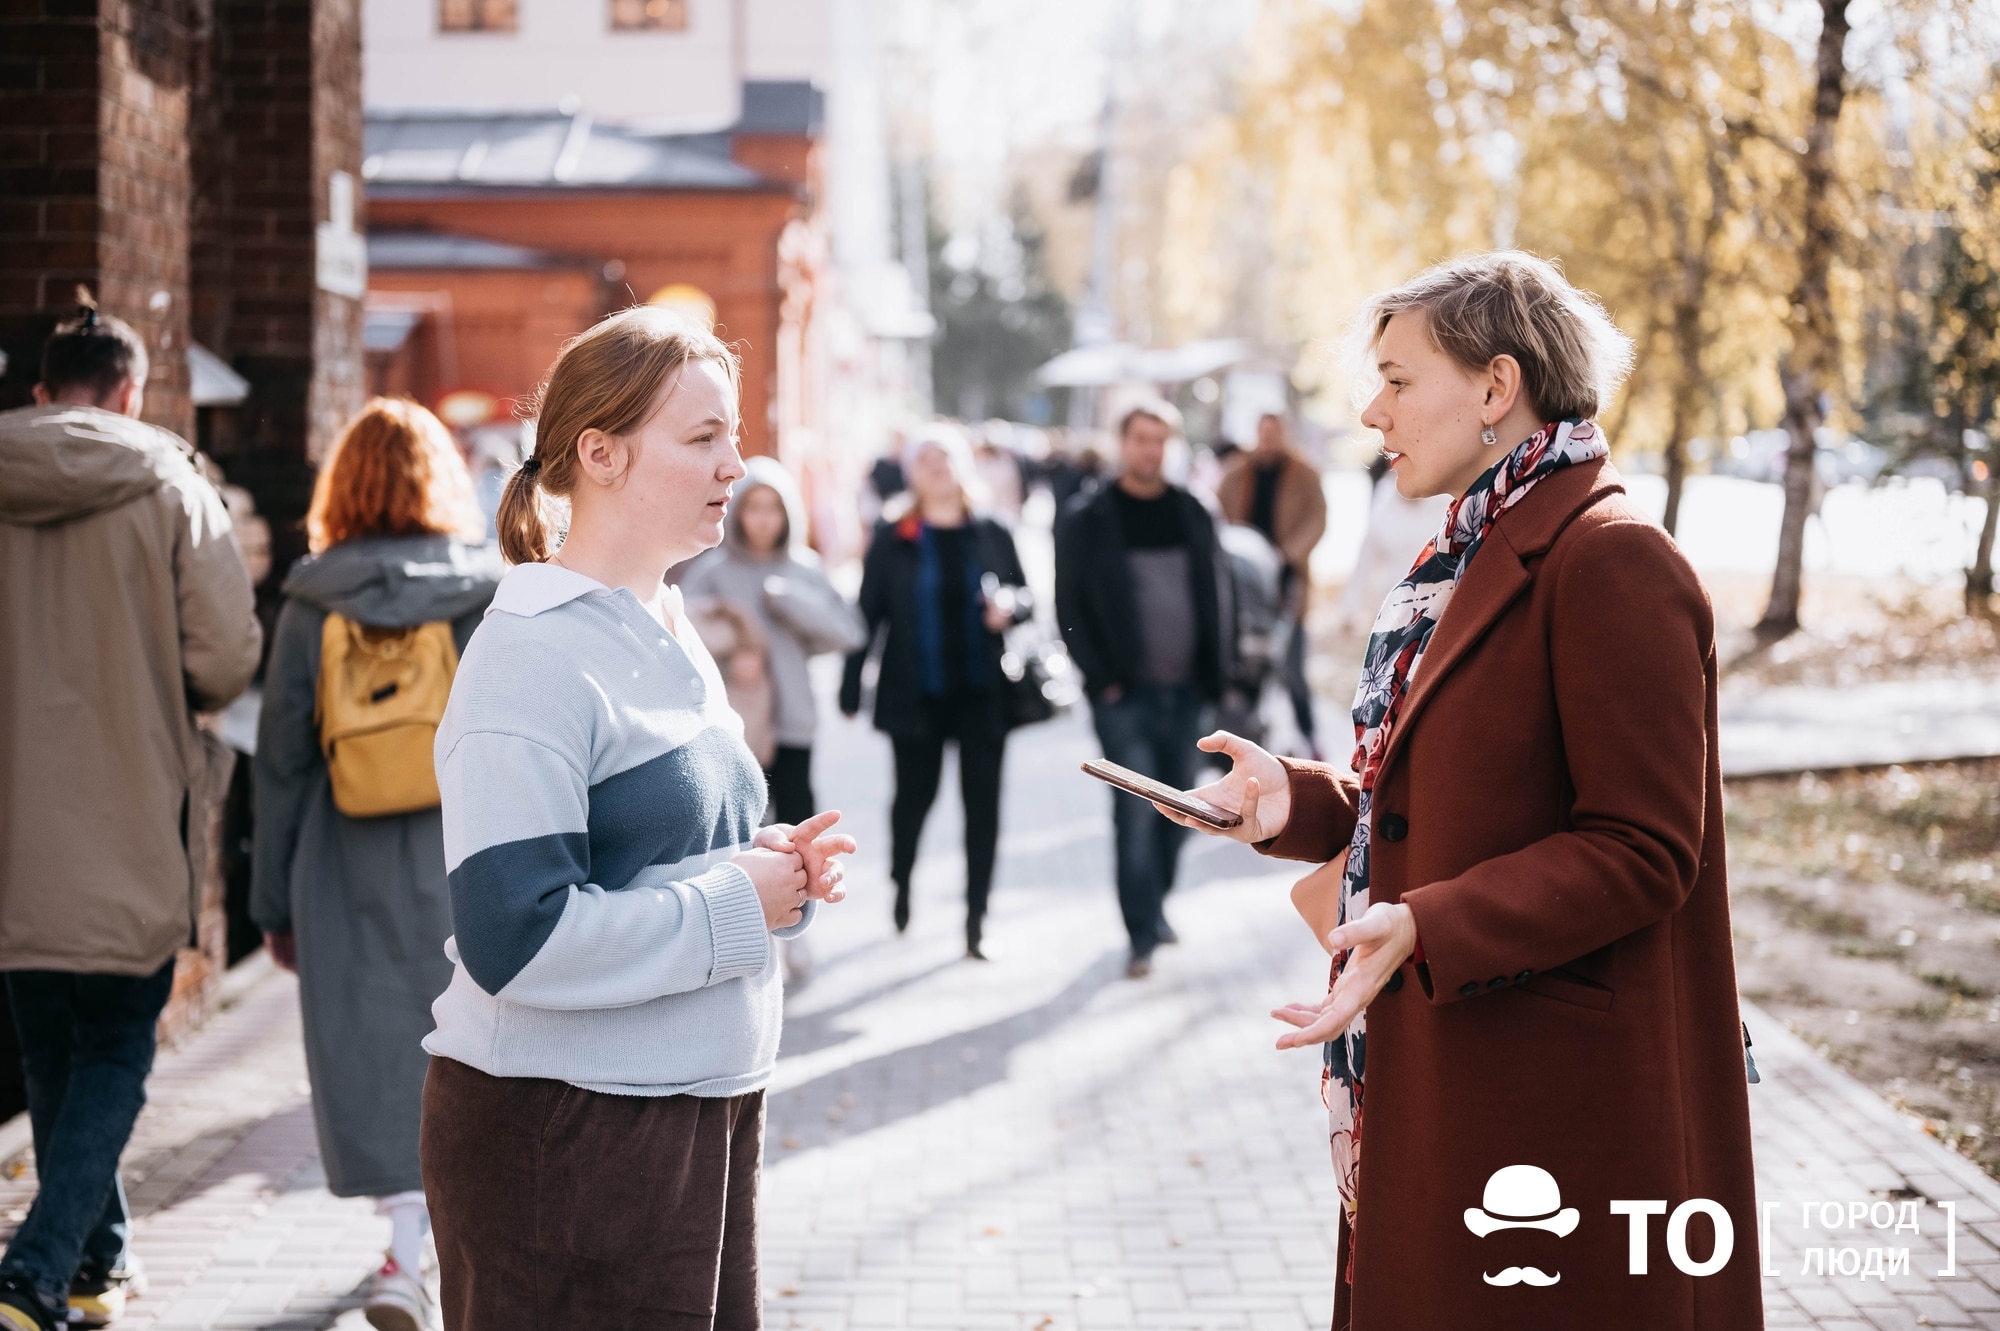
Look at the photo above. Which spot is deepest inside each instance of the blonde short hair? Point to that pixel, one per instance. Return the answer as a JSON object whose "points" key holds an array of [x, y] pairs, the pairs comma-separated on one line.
{"points": [[950, 440], [1511, 303]]}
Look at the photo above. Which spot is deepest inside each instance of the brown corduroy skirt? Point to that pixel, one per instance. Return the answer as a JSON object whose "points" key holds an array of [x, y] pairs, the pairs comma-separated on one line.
{"points": [[555, 1206]]}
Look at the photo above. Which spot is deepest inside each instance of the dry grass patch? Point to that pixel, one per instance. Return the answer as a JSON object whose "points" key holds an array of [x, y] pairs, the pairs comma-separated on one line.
{"points": [[1867, 916]]}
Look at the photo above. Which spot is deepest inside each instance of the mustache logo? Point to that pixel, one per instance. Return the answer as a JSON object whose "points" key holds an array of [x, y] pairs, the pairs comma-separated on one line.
{"points": [[1522, 1275]]}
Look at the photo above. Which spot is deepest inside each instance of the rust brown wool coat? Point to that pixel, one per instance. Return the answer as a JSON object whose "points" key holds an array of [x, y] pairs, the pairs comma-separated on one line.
{"points": [[1550, 808]]}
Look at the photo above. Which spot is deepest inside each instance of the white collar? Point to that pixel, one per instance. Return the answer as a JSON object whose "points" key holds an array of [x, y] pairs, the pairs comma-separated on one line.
{"points": [[529, 589]]}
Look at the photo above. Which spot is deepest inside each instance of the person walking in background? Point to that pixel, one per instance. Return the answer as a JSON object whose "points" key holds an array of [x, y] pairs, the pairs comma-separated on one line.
{"points": [[940, 586], [593, 1116], [1139, 601], [347, 872], [885, 482], [125, 609], [1278, 492], [1000, 467], [765, 569], [1073, 467]]}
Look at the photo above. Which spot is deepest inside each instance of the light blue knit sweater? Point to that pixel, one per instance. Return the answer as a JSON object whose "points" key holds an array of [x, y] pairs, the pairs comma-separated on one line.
{"points": [[595, 784]]}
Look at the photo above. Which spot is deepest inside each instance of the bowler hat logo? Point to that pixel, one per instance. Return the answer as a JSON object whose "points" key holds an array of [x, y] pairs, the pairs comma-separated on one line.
{"points": [[1521, 1197]]}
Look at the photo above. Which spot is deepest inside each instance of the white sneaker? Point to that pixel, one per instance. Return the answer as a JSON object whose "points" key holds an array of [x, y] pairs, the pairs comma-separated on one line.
{"points": [[397, 1300]]}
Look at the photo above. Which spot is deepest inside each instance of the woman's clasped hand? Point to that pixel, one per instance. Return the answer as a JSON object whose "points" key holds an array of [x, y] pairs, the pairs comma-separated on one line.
{"points": [[790, 865]]}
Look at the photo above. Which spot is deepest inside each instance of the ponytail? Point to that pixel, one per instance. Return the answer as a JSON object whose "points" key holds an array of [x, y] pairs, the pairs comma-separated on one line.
{"points": [[93, 352], [606, 378], [524, 532]]}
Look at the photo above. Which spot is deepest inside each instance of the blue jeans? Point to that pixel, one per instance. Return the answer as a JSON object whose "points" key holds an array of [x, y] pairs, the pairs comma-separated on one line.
{"points": [[1150, 729], [86, 1046]]}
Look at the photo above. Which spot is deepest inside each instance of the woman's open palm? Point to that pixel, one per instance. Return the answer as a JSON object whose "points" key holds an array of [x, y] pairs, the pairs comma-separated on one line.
{"points": [[1380, 941], [1256, 786]]}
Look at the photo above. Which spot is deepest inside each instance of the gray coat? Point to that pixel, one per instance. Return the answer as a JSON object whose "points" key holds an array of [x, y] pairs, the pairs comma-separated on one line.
{"points": [[800, 612], [365, 897]]}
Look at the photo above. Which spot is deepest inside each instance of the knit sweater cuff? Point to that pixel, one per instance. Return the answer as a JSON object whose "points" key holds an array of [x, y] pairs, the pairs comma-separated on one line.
{"points": [[805, 919], [735, 922]]}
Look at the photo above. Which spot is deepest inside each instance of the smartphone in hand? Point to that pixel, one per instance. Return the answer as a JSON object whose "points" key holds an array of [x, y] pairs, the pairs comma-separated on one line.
{"points": [[1158, 792]]}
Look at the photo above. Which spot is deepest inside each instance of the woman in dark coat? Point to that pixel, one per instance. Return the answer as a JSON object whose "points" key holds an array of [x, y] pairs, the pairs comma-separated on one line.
{"points": [[939, 587], [1535, 1067], [359, 906]]}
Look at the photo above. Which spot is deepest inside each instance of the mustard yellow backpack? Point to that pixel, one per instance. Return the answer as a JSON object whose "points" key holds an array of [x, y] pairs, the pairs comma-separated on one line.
{"points": [[381, 696]]}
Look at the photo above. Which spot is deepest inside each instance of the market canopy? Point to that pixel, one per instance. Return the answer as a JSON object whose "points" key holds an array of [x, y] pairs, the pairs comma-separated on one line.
{"points": [[1108, 363]]}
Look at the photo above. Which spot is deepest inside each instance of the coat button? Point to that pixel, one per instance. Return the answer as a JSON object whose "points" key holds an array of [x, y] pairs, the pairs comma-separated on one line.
{"points": [[1522, 978], [1468, 989], [1392, 826], [1394, 982], [1497, 982]]}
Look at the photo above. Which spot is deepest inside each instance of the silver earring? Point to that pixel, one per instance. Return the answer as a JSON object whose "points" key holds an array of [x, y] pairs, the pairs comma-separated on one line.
{"points": [[1488, 438]]}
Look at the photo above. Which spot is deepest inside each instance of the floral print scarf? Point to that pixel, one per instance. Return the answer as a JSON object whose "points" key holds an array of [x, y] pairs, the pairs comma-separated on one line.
{"points": [[1396, 644]]}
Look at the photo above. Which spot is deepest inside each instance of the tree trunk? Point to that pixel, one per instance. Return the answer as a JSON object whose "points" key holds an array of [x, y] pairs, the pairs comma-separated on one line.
{"points": [[1979, 578], [1687, 377], [1677, 468], [1809, 367]]}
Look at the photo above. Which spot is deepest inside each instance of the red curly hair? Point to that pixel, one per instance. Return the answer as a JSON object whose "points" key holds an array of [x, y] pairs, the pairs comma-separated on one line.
{"points": [[394, 471]]}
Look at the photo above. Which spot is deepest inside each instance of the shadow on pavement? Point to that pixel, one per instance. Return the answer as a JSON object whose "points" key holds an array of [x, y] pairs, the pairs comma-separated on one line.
{"points": [[808, 1032], [194, 1160], [877, 1092]]}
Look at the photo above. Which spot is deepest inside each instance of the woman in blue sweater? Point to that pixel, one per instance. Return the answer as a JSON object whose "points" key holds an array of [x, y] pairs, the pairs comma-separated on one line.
{"points": [[594, 1113]]}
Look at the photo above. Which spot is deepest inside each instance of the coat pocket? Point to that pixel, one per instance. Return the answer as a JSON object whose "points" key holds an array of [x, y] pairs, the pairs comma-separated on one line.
{"points": [[1568, 987]]}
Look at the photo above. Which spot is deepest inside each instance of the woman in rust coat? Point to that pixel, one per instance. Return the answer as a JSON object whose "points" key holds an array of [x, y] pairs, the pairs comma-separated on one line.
{"points": [[1535, 1068]]}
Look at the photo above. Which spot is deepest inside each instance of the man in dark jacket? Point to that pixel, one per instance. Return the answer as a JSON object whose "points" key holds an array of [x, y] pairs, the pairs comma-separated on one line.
{"points": [[1141, 608]]}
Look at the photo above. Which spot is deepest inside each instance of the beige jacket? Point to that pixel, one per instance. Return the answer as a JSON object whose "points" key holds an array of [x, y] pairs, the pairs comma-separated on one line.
{"points": [[1300, 518], [124, 609]]}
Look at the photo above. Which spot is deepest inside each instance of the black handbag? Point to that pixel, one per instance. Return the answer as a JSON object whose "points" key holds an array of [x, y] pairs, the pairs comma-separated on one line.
{"points": [[1038, 683]]}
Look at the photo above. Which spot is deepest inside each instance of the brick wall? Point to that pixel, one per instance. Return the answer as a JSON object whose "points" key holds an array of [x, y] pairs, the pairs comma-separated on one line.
{"points": [[142, 190], [724, 243], [49, 79], [94, 181], [339, 383], [281, 112]]}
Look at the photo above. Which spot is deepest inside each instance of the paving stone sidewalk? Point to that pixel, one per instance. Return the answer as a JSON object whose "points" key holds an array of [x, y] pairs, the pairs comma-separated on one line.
{"points": [[1034, 1143]]}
